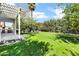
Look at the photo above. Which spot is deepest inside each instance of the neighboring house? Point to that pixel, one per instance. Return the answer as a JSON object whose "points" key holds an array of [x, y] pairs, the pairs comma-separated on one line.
{"points": [[9, 13]]}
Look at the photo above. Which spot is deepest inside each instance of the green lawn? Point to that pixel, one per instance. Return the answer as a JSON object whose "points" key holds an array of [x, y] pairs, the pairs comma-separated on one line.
{"points": [[44, 43]]}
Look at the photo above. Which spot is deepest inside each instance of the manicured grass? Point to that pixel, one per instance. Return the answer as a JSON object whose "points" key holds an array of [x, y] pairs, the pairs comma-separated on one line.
{"points": [[59, 44], [44, 43]]}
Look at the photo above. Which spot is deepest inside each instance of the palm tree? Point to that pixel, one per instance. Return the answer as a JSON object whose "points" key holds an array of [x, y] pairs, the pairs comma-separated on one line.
{"points": [[31, 7]]}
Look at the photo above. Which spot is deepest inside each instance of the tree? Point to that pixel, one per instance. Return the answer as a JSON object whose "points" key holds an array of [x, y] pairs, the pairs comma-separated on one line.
{"points": [[27, 23], [72, 17], [31, 7]]}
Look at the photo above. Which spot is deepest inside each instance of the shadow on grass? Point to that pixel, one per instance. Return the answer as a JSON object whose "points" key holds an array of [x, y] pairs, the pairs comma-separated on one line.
{"points": [[68, 38], [25, 48], [73, 53]]}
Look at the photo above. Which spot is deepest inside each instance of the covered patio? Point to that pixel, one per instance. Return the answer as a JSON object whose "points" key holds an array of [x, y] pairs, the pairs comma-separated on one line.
{"points": [[11, 14]]}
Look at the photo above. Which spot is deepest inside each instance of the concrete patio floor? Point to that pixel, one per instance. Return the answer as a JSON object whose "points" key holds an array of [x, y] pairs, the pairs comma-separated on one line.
{"points": [[8, 37]]}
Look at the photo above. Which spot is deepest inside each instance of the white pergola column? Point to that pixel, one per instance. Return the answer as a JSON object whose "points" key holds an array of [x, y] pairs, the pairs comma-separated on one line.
{"points": [[0, 34], [0, 31], [19, 25], [15, 26]]}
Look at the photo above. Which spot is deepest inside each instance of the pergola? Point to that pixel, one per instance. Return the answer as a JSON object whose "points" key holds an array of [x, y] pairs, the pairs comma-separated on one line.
{"points": [[10, 13]]}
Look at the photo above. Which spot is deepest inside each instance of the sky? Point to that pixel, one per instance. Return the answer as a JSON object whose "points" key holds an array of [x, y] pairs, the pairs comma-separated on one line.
{"points": [[44, 11]]}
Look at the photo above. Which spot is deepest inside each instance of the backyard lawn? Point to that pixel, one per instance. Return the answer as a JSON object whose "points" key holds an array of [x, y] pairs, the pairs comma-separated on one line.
{"points": [[44, 43]]}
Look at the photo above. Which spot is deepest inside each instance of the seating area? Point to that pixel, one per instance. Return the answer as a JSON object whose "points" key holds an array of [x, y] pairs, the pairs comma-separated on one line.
{"points": [[9, 30], [9, 37]]}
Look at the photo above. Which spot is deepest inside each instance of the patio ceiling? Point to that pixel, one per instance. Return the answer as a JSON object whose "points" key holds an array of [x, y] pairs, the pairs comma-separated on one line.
{"points": [[8, 11]]}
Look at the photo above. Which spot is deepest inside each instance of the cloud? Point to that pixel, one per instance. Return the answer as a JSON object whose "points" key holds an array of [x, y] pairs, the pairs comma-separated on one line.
{"points": [[39, 15], [58, 12], [50, 9]]}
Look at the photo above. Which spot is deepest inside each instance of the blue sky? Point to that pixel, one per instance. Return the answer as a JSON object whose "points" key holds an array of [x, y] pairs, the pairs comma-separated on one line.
{"points": [[44, 11]]}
